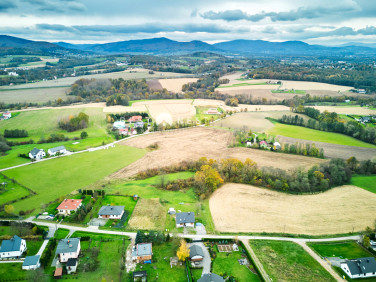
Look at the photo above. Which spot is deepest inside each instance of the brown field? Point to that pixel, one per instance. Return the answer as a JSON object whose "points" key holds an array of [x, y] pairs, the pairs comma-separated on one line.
{"points": [[245, 208], [193, 143], [308, 85], [175, 84], [125, 109], [251, 108], [148, 214], [256, 93], [38, 95], [154, 85], [346, 110]]}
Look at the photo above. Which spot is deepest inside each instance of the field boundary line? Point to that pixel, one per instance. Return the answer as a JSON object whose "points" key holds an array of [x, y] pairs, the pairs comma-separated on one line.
{"points": [[256, 261]]}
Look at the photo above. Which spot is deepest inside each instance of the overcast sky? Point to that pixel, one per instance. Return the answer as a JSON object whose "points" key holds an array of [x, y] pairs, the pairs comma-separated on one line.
{"points": [[328, 22]]}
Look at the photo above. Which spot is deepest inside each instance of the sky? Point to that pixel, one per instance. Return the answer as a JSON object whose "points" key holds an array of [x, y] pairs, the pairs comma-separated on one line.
{"points": [[326, 22]]}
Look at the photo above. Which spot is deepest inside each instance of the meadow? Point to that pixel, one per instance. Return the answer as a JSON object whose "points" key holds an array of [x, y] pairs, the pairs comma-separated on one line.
{"points": [[287, 261], [11, 191], [33, 95], [344, 250], [58, 177], [365, 182]]}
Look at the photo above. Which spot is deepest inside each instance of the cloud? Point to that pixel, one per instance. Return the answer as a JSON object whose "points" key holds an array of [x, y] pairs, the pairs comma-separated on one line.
{"points": [[6, 5], [232, 15], [55, 6]]}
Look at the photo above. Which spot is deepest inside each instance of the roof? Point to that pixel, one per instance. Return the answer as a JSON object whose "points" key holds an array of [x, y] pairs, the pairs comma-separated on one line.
{"points": [[31, 260], [34, 151], [67, 246], [144, 249], [210, 277], [72, 262], [56, 149], [58, 271], [361, 265], [195, 250], [69, 204], [11, 245], [134, 118], [111, 210], [185, 217], [139, 274], [263, 142]]}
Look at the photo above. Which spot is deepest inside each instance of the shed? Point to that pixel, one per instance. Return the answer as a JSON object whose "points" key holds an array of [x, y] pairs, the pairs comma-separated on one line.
{"points": [[31, 262]]}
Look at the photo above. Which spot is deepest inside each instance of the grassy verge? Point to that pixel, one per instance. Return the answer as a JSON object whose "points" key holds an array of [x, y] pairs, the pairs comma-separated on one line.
{"points": [[365, 182], [344, 250], [288, 261]]}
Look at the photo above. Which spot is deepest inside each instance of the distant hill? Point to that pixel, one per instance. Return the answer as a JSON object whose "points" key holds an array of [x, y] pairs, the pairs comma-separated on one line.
{"points": [[15, 42]]}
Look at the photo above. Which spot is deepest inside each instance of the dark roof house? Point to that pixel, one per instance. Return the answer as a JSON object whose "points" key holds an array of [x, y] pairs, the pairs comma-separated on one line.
{"points": [[31, 261], [34, 152], [361, 266], [144, 249], [57, 149], [195, 251], [12, 245], [210, 277], [111, 210], [185, 217], [67, 246]]}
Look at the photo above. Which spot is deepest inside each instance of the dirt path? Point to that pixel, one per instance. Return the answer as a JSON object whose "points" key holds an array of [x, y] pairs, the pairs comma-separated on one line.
{"points": [[256, 261]]}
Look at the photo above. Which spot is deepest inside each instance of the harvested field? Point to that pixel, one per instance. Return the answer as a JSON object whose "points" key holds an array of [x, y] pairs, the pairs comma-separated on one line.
{"points": [[125, 109], [194, 143], [36, 95], [346, 110], [252, 108], [176, 84], [148, 214], [308, 85], [246, 208], [154, 85]]}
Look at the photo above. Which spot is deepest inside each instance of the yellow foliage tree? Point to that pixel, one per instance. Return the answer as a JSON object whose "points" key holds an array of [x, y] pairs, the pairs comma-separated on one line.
{"points": [[183, 251], [9, 209]]}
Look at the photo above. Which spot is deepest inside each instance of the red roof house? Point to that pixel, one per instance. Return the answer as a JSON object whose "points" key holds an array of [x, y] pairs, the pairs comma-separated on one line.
{"points": [[69, 205], [135, 118]]}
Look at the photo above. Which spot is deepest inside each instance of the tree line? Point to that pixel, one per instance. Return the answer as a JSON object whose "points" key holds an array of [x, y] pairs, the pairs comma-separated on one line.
{"points": [[15, 133]]}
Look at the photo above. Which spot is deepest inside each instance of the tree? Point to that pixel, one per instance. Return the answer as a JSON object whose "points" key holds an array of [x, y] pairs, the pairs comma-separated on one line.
{"points": [[84, 135], [4, 147], [9, 209], [366, 241], [208, 178], [183, 251]]}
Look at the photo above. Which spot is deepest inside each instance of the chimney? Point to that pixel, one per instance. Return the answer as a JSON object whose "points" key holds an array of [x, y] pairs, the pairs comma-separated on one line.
{"points": [[68, 241]]}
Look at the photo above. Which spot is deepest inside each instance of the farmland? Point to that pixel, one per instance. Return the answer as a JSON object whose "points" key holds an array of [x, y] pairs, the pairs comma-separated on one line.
{"points": [[33, 95], [175, 84], [287, 261], [11, 191], [263, 210], [350, 110], [365, 182], [67, 174]]}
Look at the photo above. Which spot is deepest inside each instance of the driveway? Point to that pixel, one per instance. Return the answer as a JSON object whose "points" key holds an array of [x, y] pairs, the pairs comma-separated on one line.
{"points": [[200, 229], [97, 222]]}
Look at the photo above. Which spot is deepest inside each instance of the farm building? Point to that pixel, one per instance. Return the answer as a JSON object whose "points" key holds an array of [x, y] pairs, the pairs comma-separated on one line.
{"points": [[69, 205], [113, 212], [360, 268], [142, 252], [12, 248], [211, 277], [37, 154], [68, 248], [135, 118], [213, 111], [361, 91], [57, 150], [185, 219], [31, 262], [196, 254]]}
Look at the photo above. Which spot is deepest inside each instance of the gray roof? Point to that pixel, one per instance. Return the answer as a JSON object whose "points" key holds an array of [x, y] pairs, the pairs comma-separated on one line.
{"points": [[72, 262], [57, 149], [185, 217], [211, 277], [361, 266], [143, 249], [11, 245], [34, 151], [67, 245], [195, 250], [111, 210], [31, 260]]}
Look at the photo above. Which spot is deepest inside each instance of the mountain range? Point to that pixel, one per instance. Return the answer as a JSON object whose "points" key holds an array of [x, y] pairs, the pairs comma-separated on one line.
{"points": [[165, 46]]}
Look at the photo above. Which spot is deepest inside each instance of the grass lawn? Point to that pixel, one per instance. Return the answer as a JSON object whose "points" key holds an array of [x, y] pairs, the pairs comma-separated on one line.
{"points": [[365, 182], [287, 261], [201, 114], [300, 132], [58, 177], [12, 272], [128, 203], [61, 233], [228, 263], [161, 265], [345, 250], [11, 192], [33, 246]]}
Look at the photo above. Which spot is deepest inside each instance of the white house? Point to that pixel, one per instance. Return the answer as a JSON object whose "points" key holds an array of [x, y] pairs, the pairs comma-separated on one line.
{"points": [[31, 262], [112, 212], [68, 248], [7, 115], [59, 149], [37, 154], [119, 124], [360, 268], [185, 219], [72, 265], [12, 248], [68, 205]]}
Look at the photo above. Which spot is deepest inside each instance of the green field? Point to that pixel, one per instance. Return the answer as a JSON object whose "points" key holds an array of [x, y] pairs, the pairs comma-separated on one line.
{"points": [[291, 91], [300, 132], [287, 261], [201, 114], [345, 250], [58, 177], [12, 272], [365, 182], [11, 191]]}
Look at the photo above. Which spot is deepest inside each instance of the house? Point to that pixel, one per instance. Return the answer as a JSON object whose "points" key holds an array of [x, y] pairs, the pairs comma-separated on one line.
{"points": [[57, 150], [263, 144], [12, 248], [365, 119], [37, 154], [69, 205], [31, 262], [211, 277], [58, 273], [185, 219], [213, 111], [119, 124], [123, 131], [142, 252], [112, 212], [68, 248], [140, 276], [360, 268], [139, 124], [135, 118], [7, 115], [277, 146], [72, 265], [361, 91], [196, 254]]}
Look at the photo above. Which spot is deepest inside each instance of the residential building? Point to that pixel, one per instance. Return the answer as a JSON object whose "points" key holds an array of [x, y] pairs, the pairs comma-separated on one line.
{"points": [[185, 219], [57, 150], [123, 131], [7, 115], [68, 248], [119, 124], [142, 252], [135, 118], [37, 154], [140, 276], [360, 268], [139, 124], [31, 262], [211, 277], [196, 254], [69, 205], [72, 265], [112, 212], [12, 248]]}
